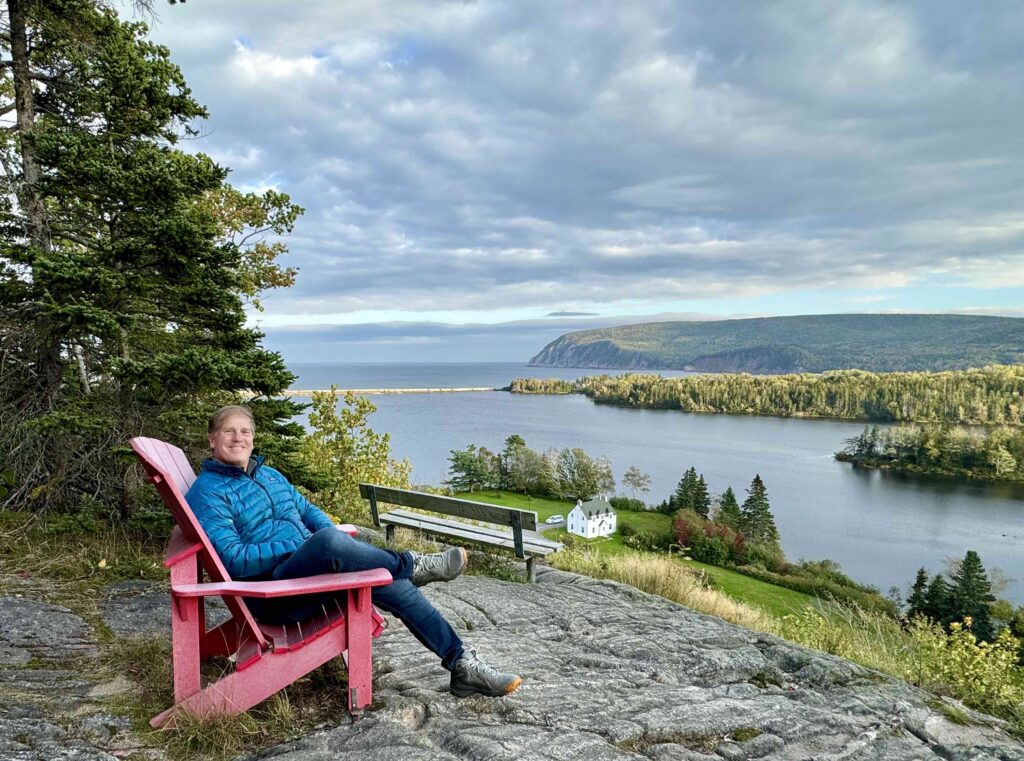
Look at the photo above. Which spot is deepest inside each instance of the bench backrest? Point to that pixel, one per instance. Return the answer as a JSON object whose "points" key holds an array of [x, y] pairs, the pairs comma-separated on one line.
{"points": [[169, 470], [463, 508]]}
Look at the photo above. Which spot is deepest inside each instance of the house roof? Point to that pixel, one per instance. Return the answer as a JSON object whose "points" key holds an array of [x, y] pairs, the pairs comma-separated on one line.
{"points": [[596, 507]]}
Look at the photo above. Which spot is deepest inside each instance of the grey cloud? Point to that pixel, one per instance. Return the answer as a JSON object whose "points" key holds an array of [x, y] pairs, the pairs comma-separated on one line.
{"points": [[438, 342], [484, 155]]}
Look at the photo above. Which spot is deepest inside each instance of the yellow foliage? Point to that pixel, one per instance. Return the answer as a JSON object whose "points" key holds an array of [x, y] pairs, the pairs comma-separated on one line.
{"points": [[346, 451]]}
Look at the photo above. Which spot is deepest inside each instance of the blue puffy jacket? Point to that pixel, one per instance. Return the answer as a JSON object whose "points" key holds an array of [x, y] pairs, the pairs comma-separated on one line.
{"points": [[254, 517]]}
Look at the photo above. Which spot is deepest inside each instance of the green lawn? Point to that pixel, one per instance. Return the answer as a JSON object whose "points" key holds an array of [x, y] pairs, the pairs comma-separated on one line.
{"points": [[544, 508], [771, 598], [776, 600]]}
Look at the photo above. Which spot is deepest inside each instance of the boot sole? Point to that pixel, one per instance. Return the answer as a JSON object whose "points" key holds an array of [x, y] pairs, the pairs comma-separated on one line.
{"points": [[512, 687]]}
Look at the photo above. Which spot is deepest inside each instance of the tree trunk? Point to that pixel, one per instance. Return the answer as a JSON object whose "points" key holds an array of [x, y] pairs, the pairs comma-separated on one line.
{"points": [[49, 364], [83, 373], [24, 101]]}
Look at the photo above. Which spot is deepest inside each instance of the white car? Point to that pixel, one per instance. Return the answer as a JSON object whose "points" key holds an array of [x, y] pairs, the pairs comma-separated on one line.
{"points": [[555, 519]]}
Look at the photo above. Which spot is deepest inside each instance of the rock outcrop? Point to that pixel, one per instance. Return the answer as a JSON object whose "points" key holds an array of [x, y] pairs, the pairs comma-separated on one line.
{"points": [[609, 673]]}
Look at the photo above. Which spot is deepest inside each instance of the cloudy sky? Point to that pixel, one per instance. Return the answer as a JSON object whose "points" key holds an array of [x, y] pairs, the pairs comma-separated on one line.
{"points": [[480, 177]]}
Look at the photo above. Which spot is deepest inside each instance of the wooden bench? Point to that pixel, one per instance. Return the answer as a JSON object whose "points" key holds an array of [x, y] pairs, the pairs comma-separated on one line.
{"points": [[528, 546]]}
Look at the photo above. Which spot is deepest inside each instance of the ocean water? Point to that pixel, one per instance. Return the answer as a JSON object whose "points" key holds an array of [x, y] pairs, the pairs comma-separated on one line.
{"points": [[315, 376]]}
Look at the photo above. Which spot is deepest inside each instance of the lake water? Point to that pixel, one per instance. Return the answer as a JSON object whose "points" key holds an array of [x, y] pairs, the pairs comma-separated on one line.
{"points": [[881, 527]]}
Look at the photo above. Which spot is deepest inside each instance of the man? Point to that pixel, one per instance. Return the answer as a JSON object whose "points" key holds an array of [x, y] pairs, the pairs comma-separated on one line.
{"points": [[262, 528]]}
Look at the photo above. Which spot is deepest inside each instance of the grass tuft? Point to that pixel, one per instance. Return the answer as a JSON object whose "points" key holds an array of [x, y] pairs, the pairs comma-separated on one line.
{"points": [[316, 700], [77, 548], [664, 576]]}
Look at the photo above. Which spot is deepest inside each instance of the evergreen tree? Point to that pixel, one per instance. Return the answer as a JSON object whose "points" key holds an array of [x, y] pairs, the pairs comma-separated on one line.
{"points": [[121, 286], [473, 468], [682, 499], [729, 513], [701, 498], [758, 522], [917, 603], [972, 595], [937, 600]]}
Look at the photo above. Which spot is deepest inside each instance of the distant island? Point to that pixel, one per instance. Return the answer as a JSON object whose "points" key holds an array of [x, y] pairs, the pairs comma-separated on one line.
{"points": [[813, 343]]}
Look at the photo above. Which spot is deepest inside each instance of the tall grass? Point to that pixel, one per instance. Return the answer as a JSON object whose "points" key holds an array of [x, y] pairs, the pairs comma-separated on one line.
{"points": [[984, 675], [80, 547], [663, 576]]}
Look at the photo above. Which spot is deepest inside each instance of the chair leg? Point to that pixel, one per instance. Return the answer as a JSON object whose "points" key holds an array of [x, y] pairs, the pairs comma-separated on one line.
{"points": [[241, 690], [531, 570], [359, 625], [187, 628]]}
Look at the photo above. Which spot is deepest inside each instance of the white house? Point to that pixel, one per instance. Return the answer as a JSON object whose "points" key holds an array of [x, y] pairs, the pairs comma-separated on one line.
{"points": [[593, 518]]}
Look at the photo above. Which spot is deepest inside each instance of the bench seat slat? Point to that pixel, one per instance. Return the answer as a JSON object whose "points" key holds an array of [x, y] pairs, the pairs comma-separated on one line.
{"points": [[468, 532], [464, 508]]}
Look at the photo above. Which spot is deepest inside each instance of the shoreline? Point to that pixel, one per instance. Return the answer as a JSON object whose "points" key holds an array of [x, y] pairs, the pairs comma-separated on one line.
{"points": [[380, 391]]}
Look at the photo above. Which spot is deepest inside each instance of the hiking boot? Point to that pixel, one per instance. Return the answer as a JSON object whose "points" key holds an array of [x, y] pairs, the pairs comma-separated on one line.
{"points": [[471, 676], [441, 566]]}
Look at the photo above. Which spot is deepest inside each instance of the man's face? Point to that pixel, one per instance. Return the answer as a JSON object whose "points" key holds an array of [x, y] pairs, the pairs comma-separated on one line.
{"points": [[232, 442]]}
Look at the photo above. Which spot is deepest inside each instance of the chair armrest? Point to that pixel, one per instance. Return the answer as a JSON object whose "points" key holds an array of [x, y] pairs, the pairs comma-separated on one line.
{"points": [[326, 582], [179, 548]]}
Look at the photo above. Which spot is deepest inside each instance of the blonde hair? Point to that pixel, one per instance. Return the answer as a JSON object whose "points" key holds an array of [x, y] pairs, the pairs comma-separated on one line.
{"points": [[218, 417]]}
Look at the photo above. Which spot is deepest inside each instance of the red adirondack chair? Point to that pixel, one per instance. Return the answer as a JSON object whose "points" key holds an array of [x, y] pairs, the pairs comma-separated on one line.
{"points": [[267, 658]]}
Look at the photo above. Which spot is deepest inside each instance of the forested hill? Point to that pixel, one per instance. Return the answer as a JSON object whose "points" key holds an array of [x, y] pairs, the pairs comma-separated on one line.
{"points": [[815, 343]]}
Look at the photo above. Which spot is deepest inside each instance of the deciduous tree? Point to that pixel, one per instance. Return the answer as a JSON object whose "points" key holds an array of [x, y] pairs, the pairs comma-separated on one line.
{"points": [[343, 451], [636, 480], [582, 477]]}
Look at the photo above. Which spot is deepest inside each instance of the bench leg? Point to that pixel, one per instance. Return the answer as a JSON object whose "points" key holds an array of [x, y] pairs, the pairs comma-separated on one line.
{"points": [[531, 570], [389, 534]]}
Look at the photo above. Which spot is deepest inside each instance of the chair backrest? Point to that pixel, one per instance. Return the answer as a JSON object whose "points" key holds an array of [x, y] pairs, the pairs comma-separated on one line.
{"points": [[169, 470]]}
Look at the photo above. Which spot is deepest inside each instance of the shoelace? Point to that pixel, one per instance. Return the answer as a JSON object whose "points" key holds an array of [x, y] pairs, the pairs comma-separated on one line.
{"points": [[484, 669], [431, 563]]}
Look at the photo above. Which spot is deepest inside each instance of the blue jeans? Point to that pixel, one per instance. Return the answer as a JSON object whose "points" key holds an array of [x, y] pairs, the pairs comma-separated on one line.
{"points": [[333, 551]]}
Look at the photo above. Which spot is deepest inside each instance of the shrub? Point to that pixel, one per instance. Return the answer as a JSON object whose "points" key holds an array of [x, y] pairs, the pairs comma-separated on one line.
{"points": [[710, 549], [709, 542], [766, 557], [628, 503], [648, 541], [984, 675], [829, 570], [825, 589]]}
